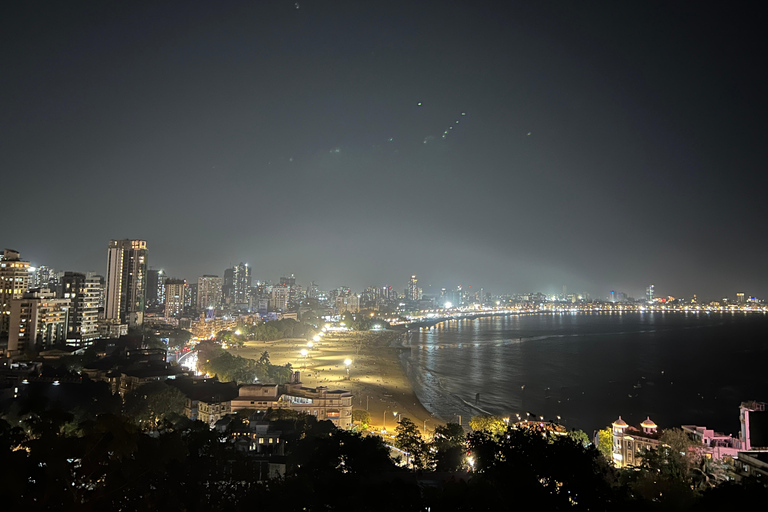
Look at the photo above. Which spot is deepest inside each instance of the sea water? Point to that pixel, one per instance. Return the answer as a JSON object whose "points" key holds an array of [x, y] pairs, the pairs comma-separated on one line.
{"points": [[590, 368]]}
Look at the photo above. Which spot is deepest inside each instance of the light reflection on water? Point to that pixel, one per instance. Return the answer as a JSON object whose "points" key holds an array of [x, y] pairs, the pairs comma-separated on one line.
{"points": [[589, 368]]}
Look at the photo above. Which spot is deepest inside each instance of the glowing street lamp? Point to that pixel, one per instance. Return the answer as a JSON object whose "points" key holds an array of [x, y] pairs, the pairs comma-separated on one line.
{"points": [[315, 338], [347, 362], [304, 353]]}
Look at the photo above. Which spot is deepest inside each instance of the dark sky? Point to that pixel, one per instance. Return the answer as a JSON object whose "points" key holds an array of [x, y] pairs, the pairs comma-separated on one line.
{"points": [[598, 146]]}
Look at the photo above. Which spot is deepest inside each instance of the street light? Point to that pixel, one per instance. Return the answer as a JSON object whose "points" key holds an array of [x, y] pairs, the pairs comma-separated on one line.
{"points": [[316, 338], [304, 353], [347, 362]]}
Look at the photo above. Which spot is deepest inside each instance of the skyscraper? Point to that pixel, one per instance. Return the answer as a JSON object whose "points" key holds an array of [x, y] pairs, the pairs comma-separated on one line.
{"points": [[649, 293], [14, 281], [237, 284], [155, 287], [209, 292], [413, 292], [82, 291], [126, 281], [174, 297]]}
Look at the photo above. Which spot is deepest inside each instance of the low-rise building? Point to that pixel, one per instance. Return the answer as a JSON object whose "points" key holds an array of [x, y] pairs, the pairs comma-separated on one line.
{"points": [[713, 445], [320, 402], [208, 400], [629, 443]]}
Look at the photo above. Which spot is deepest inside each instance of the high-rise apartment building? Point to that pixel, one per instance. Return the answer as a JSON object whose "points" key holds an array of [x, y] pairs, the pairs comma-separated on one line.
{"points": [[237, 284], [14, 281], [174, 297], [42, 277], [126, 281], [650, 293], [38, 320], [209, 292], [190, 295], [83, 292], [278, 300], [413, 292], [155, 287]]}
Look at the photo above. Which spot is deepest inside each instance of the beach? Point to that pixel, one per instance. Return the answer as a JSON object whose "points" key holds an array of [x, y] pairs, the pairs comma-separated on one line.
{"points": [[376, 379]]}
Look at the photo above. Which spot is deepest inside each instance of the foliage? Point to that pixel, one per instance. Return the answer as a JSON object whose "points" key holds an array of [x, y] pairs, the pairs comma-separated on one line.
{"points": [[490, 424], [151, 403], [229, 367], [605, 443], [408, 438], [553, 471], [362, 416], [448, 447], [362, 321], [579, 436], [675, 457]]}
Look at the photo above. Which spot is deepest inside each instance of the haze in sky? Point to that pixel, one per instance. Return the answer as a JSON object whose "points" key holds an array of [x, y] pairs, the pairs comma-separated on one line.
{"points": [[511, 145]]}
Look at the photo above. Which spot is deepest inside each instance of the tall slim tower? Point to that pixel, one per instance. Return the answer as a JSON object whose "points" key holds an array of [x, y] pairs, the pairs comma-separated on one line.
{"points": [[126, 281], [413, 289]]}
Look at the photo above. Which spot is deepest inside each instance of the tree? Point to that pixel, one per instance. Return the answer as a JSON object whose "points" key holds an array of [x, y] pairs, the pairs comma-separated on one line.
{"points": [[448, 448], [605, 443], [579, 436], [675, 457], [362, 416], [487, 423], [408, 438], [150, 404]]}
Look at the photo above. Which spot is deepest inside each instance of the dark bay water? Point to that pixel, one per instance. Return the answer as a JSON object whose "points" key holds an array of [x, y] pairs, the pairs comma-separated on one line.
{"points": [[589, 368]]}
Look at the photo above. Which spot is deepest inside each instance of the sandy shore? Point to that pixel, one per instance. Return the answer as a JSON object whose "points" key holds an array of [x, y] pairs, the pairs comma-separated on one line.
{"points": [[376, 377]]}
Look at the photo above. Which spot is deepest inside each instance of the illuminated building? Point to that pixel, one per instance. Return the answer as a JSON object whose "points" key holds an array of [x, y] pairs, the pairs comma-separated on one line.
{"points": [[155, 287], [126, 281], [42, 277], [740, 298], [278, 300], [649, 293], [349, 302], [753, 417], [83, 292], [236, 285], [320, 402], [290, 283], [629, 443], [209, 292], [174, 297], [38, 320], [413, 292], [14, 281]]}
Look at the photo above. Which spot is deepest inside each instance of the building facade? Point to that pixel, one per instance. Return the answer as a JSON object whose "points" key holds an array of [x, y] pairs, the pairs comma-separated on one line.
{"points": [[209, 292], [14, 282], [629, 443], [83, 292], [126, 281], [237, 284], [38, 320], [174, 297]]}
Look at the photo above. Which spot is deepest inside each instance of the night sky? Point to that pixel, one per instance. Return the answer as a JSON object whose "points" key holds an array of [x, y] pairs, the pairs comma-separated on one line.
{"points": [[601, 147]]}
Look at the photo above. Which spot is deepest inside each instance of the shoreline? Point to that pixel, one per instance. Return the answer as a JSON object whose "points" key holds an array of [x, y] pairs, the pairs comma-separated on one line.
{"points": [[377, 378]]}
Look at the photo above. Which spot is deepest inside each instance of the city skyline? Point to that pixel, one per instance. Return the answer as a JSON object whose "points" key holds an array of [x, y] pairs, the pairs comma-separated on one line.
{"points": [[513, 146], [408, 287]]}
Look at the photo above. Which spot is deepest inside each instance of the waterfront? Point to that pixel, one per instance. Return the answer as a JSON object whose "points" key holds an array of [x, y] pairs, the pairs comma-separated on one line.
{"points": [[589, 368]]}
